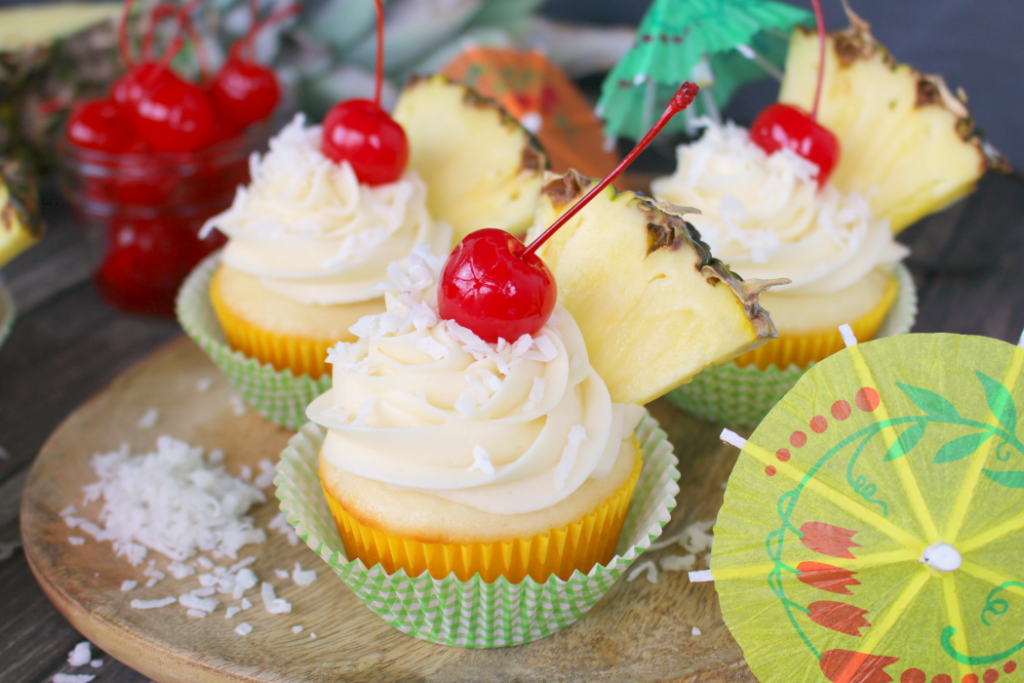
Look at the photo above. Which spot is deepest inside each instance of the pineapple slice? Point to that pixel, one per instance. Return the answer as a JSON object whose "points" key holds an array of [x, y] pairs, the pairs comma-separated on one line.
{"points": [[654, 307], [482, 169], [20, 225], [906, 143]]}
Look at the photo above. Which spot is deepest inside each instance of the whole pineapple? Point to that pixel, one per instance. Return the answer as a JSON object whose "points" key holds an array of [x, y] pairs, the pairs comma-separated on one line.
{"points": [[907, 143], [51, 55]]}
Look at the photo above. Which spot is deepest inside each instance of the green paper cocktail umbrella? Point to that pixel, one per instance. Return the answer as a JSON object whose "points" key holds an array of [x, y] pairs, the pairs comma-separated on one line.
{"points": [[719, 44], [873, 527]]}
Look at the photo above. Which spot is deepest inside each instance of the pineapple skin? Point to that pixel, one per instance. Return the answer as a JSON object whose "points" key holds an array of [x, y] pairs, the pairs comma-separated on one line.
{"points": [[906, 143], [20, 223], [482, 169], [654, 306], [39, 81]]}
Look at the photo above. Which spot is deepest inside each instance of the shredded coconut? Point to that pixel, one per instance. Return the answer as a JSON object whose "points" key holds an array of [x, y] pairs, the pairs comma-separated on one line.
{"points": [[196, 613], [336, 413], [72, 678], [482, 461], [237, 405], [695, 631], [296, 629], [81, 655], [204, 384], [204, 592], [274, 604], [577, 435], [152, 582], [677, 563], [281, 573], [267, 473], [536, 394], [170, 501], [280, 523], [232, 611], [7, 549], [179, 570], [312, 636], [303, 577], [246, 603], [128, 585], [243, 629], [153, 604], [76, 540], [148, 419], [649, 567], [195, 602], [364, 412], [96, 663]]}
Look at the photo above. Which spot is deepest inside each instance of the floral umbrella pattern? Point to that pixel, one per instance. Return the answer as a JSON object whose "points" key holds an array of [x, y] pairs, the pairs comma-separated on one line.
{"points": [[873, 528]]}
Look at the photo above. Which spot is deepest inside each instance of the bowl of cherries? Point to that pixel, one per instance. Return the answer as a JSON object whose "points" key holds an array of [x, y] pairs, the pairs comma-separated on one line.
{"points": [[146, 166]]}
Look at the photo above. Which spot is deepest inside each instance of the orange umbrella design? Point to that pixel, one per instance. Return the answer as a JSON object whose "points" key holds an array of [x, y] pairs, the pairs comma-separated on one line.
{"points": [[543, 99]]}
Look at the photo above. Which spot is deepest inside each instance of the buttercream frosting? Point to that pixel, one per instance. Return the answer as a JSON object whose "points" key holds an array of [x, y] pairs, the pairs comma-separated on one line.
{"points": [[765, 216], [424, 404], [311, 232]]}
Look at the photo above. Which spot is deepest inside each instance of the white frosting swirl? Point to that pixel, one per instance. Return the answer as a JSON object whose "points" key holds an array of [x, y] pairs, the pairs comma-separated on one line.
{"points": [[765, 216], [424, 404], [312, 233]]}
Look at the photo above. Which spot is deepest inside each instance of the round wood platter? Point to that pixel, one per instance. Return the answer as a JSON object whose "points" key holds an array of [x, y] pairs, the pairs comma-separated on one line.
{"points": [[639, 632]]}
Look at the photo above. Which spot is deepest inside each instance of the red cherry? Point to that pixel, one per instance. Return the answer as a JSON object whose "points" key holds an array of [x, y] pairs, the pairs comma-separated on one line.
{"points": [[140, 79], [361, 133], [143, 268], [245, 92], [783, 125], [99, 124], [489, 286], [499, 288], [176, 117]]}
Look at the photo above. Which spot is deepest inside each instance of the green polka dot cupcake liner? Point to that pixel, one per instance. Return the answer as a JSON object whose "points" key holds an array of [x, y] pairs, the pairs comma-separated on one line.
{"points": [[474, 614], [741, 397], [277, 395]]}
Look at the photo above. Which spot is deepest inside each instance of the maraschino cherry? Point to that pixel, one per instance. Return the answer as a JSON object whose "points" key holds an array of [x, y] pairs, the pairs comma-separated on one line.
{"points": [[785, 125], [499, 288], [243, 91], [363, 134], [97, 124]]}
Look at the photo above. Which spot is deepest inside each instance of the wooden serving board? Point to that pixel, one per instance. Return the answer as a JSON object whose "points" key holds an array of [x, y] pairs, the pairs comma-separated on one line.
{"points": [[638, 632]]}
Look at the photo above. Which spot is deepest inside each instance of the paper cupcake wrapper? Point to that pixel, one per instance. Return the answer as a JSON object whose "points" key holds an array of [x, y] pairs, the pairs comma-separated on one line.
{"points": [[741, 397], [560, 552], [277, 395], [473, 613], [300, 356], [6, 314]]}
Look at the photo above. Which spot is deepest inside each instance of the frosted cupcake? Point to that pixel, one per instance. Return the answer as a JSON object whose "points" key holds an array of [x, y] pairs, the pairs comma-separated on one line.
{"points": [[306, 244], [447, 454], [765, 216]]}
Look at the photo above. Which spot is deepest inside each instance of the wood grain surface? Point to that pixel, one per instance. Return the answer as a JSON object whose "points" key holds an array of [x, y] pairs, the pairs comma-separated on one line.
{"points": [[639, 632]]}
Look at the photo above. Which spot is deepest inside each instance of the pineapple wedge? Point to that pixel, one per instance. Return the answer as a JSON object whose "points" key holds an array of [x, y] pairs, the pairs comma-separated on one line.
{"points": [[20, 225], [482, 169], [654, 307], [906, 143]]}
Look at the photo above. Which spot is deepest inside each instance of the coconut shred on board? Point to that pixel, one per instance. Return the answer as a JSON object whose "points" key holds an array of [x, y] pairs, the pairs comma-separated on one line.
{"points": [[173, 501]]}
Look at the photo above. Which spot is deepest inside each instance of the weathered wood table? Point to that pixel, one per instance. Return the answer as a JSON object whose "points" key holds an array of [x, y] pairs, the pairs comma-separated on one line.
{"points": [[968, 263]]}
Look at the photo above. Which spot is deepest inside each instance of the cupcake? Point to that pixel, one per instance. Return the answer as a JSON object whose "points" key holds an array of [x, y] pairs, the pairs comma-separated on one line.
{"points": [[312, 235], [447, 454], [766, 216], [307, 241]]}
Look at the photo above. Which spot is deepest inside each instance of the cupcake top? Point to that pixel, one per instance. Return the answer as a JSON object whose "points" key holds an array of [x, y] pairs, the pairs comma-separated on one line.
{"points": [[766, 217], [424, 404], [311, 232]]}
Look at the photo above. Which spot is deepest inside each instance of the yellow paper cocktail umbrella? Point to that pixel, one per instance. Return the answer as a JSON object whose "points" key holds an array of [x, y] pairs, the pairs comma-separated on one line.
{"points": [[873, 527]]}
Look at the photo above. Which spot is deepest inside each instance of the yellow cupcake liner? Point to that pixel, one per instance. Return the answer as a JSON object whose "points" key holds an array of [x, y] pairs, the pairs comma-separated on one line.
{"points": [[301, 355], [804, 349], [558, 552]]}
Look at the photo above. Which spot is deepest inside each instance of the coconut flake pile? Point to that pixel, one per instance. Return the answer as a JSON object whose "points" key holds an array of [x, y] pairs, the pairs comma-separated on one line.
{"points": [[695, 539], [173, 501]]}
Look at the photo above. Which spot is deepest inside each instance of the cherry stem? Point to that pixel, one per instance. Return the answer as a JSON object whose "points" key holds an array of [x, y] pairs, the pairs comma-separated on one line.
{"points": [[246, 42], [156, 15], [680, 101], [380, 53], [122, 35], [185, 24], [822, 39]]}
